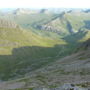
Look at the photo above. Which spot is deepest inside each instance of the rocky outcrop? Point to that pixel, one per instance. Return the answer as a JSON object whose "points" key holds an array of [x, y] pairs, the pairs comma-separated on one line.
{"points": [[48, 28], [66, 86], [21, 85], [8, 24], [20, 11]]}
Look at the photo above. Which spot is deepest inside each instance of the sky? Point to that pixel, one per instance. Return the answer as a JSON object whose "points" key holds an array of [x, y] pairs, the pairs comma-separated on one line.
{"points": [[44, 3]]}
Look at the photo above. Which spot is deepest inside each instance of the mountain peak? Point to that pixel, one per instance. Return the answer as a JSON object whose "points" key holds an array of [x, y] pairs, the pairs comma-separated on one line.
{"points": [[19, 11]]}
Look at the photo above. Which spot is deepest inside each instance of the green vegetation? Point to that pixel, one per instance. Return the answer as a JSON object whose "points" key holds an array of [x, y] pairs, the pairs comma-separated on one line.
{"points": [[21, 49], [39, 40]]}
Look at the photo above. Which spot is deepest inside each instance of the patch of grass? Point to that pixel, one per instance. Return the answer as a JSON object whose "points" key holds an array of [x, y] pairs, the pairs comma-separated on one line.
{"points": [[82, 58], [84, 85]]}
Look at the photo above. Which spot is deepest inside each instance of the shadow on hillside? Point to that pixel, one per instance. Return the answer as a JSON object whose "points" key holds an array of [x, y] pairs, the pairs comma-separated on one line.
{"points": [[30, 58], [74, 38], [87, 24], [69, 27], [27, 59]]}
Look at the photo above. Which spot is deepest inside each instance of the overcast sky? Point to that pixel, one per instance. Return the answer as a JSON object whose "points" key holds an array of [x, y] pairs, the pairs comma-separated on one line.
{"points": [[44, 3]]}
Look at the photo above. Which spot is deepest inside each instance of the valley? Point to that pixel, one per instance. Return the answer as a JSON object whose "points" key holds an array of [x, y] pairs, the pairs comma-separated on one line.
{"points": [[44, 49]]}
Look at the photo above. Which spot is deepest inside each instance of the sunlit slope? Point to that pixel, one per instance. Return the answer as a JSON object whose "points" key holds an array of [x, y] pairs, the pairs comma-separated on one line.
{"points": [[28, 20], [79, 20], [67, 23], [21, 49], [64, 23], [86, 37], [13, 38]]}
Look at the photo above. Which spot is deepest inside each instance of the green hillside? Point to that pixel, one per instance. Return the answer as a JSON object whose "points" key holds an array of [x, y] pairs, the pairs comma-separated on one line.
{"points": [[64, 23], [67, 23], [44, 48], [27, 20], [72, 69], [19, 45]]}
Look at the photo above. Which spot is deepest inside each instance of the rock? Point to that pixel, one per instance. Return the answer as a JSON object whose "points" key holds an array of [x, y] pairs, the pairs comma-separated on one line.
{"points": [[41, 88], [72, 87]]}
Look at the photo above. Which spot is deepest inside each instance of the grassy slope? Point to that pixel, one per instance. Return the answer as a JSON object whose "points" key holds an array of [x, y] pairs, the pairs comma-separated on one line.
{"points": [[75, 21], [11, 38], [24, 46], [37, 46], [26, 20], [71, 69]]}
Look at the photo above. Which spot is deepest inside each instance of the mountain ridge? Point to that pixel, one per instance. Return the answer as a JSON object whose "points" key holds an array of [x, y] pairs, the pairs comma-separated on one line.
{"points": [[44, 49]]}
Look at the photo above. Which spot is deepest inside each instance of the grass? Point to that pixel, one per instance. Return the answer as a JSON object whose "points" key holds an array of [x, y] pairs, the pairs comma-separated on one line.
{"points": [[22, 51], [84, 85], [10, 38]]}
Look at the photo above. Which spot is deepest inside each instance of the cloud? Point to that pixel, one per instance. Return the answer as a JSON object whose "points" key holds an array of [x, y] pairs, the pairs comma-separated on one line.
{"points": [[44, 3]]}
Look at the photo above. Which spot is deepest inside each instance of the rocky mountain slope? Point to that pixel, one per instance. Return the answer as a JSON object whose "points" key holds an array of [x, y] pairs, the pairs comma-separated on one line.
{"points": [[20, 11], [72, 70], [44, 50], [64, 23], [20, 49], [67, 23]]}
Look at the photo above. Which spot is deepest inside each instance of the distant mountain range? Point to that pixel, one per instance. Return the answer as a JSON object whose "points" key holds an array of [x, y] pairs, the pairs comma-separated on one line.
{"points": [[53, 10]]}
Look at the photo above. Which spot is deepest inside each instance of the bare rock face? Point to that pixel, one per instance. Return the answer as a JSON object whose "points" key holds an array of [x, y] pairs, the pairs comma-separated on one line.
{"points": [[66, 86], [41, 88], [72, 87], [48, 28]]}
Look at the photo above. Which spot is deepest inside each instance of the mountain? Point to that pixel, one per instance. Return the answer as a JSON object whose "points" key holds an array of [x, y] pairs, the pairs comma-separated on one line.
{"points": [[74, 69], [19, 45], [25, 11], [44, 49], [66, 23], [25, 20], [8, 24]]}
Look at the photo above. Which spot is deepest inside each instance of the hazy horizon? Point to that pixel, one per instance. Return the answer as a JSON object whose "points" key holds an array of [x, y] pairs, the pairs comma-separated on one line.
{"points": [[44, 4]]}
